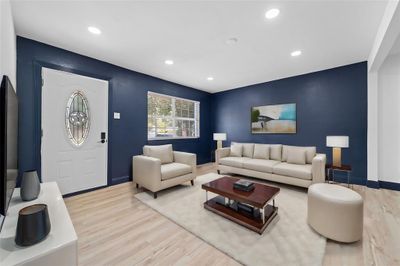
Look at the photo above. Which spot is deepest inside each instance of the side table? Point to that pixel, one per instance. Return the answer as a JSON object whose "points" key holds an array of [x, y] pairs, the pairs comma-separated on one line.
{"points": [[331, 169]]}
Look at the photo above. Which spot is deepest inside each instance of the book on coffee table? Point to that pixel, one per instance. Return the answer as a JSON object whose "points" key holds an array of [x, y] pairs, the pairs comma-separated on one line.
{"points": [[244, 185], [245, 207]]}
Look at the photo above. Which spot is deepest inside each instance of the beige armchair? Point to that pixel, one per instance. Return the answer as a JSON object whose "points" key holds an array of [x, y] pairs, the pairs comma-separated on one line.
{"points": [[160, 167]]}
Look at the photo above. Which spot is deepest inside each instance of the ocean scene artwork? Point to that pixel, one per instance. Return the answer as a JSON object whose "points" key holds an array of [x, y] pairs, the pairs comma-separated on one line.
{"points": [[273, 119]]}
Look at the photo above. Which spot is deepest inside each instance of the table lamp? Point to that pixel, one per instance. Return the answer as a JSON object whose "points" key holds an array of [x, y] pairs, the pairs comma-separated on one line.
{"points": [[219, 137], [337, 143]]}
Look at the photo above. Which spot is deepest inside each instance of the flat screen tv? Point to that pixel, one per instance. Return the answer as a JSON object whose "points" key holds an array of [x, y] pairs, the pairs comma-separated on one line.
{"points": [[8, 144]]}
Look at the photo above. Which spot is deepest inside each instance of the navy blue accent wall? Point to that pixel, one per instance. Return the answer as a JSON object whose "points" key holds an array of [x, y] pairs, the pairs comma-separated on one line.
{"points": [[329, 102], [127, 95]]}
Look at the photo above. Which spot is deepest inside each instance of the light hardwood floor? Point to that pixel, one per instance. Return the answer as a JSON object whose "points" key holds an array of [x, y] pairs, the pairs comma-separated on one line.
{"points": [[114, 228]]}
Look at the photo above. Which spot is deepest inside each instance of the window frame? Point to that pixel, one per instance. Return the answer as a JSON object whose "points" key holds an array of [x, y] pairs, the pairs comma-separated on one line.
{"points": [[174, 118]]}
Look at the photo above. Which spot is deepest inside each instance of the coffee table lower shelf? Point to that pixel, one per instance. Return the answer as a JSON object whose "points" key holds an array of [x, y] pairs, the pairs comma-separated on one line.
{"points": [[240, 217]]}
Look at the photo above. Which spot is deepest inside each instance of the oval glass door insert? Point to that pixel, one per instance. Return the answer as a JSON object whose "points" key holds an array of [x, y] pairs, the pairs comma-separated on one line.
{"points": [[77, 118]]}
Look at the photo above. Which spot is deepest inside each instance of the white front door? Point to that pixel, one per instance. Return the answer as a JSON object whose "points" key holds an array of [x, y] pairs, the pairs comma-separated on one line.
{"points": [[74, 122]]}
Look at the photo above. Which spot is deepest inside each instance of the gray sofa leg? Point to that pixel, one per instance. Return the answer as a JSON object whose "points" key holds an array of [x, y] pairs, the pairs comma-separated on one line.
{"points": [[219, 172], [192, 182], [155, 195], [137, 185]]}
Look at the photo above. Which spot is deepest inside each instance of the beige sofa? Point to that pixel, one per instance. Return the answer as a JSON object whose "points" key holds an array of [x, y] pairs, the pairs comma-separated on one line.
{"points": [[294, 165], [160, 167]]}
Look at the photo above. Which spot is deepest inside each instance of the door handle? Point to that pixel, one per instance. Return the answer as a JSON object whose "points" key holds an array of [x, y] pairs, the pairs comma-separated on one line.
{"points": [[102, 137]]}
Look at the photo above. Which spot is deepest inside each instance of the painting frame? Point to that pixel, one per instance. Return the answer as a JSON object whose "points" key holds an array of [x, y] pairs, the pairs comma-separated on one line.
{"points": [[282, 115]]}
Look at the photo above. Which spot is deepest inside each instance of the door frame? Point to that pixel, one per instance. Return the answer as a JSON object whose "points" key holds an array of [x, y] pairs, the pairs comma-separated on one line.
{"points": [[37, 135]]}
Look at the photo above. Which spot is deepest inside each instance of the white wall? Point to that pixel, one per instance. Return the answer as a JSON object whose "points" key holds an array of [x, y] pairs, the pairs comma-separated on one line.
{"points": [[389, 119], [385, 39], [8, 50], [372, 127]]}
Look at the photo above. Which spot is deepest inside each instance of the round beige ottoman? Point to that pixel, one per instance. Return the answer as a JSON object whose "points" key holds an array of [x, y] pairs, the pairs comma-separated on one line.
{"points": [[335, 212]]}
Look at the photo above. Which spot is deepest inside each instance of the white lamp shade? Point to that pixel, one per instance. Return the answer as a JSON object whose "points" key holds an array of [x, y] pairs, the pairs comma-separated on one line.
{"points": [[219, 136], [337, 141]]}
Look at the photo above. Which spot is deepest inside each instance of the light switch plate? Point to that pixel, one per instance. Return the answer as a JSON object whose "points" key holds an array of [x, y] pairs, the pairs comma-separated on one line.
{"points": [[117, 115]]}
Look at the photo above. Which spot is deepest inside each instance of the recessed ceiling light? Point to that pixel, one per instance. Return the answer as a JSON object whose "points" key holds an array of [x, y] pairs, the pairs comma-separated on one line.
{"points": [[169, 62], [272, 13], [210, 78], [295, 53], [231, 41], [94, 30]]}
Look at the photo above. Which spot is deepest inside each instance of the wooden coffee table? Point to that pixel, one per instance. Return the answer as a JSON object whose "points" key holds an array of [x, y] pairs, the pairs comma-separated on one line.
{"points": [[226, 203]]}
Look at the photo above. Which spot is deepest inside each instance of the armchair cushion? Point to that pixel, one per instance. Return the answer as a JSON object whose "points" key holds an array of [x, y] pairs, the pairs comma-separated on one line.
{"points": [[186, 158], [171, 170], [162, 152]]}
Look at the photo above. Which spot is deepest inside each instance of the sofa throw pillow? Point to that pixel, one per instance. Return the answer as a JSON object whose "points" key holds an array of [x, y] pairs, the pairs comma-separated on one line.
{"points": [[275, 152], [236, 150], [297, 156], [261, 151], [310, 152], [285, 150], [162, 152], [247, 149]]}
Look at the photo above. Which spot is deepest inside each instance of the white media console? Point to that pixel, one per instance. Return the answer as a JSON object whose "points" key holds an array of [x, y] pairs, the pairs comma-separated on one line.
{"points": [[59, 248]]}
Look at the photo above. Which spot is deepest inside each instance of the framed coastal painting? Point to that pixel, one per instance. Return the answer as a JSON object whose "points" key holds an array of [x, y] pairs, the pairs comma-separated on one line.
{"points": [[274, 119]]}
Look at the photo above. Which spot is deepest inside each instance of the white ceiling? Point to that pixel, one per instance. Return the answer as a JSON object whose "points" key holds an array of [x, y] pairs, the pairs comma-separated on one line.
{"points": [[141, 35]]}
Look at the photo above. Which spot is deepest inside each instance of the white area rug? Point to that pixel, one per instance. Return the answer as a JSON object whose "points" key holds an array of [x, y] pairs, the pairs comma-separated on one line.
{"points": [[288, 240]]}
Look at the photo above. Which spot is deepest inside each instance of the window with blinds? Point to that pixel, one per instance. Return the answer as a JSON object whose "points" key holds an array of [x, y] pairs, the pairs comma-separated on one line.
{"points": [[171, 117]]}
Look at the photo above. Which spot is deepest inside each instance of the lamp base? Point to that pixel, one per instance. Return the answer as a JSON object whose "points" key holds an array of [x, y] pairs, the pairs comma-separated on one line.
{"points": [[337, 157], [219, 144]]}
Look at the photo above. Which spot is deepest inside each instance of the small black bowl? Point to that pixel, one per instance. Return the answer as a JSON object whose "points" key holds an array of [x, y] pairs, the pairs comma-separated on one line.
{"points": [[33, 225]]}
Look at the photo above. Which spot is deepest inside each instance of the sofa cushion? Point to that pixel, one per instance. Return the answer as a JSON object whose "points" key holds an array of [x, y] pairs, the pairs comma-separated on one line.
{"points": [[162, 152], [310, 152], [297, 156], [236, 150], [260, 165], [261, 151], [233, 161], [275, 152], [172, 170], [247, 149], [293, 170]]}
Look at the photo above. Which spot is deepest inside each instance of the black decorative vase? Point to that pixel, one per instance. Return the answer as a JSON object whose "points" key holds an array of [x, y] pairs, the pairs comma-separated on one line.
{"points": [[33, 225], [30, 186]]}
